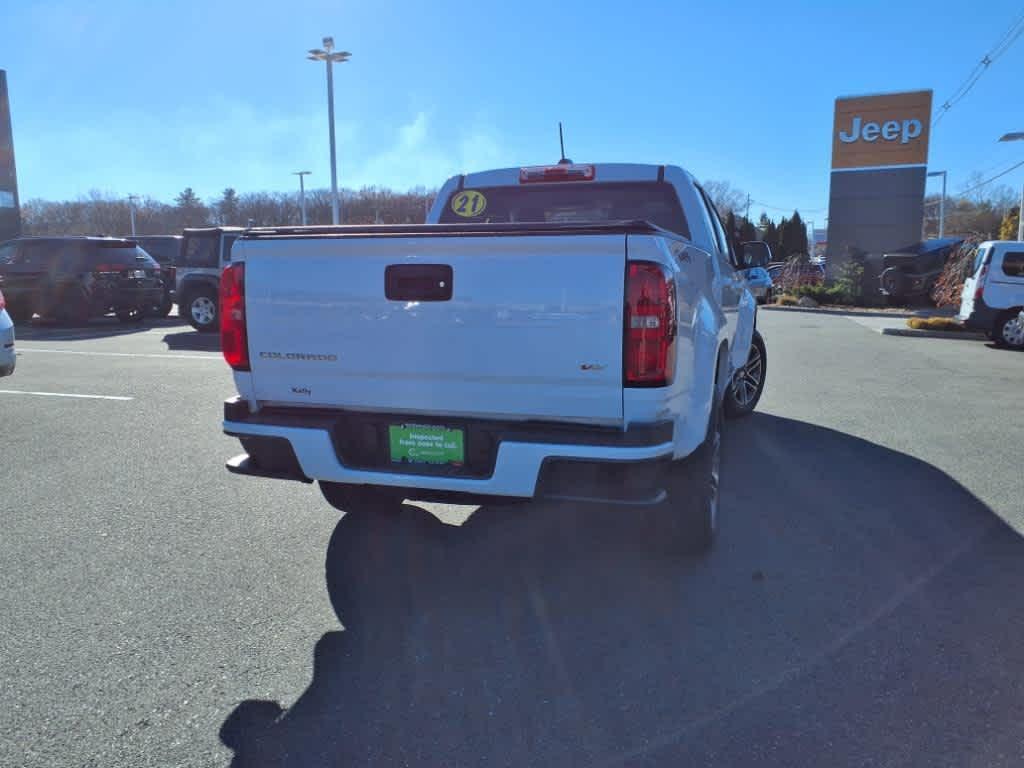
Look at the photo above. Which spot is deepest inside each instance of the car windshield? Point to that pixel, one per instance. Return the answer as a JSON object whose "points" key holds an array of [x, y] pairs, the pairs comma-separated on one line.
{"points": [[574, 202]]}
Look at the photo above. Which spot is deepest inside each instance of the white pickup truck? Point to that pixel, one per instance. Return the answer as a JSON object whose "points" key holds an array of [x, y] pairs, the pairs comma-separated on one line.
{"points": [[568, 331]]}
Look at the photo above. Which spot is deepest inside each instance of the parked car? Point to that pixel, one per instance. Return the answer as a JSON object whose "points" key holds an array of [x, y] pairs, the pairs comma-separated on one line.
{"points": [[789, 275], [166, 251], [566, 331], [204, 254], [8, 358], [910, 274], [993, 296], [75, 278], [758, 256]]}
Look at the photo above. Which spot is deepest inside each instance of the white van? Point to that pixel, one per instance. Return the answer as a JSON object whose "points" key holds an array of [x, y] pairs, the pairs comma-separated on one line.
{"points": [[993, 296]]}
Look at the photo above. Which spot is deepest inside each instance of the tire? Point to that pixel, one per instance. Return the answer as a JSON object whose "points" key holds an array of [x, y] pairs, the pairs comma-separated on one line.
{"points": [[1009, 330], [362, 499], [201, 310], [687, 519], [894, 282], [130, 314], [744, 392]]}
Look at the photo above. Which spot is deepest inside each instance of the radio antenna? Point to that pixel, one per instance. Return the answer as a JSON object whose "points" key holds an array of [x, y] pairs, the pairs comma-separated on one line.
{"points": [[561, 143]]}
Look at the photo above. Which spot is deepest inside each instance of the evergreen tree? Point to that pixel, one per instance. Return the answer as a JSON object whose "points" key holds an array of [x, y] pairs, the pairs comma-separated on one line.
{"points": [[747, 231], [227, 207], [190, 209]]}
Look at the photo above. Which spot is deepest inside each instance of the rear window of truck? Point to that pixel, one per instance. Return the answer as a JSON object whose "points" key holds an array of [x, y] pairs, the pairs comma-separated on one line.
{"points": [[201, 250], [572, 202]]}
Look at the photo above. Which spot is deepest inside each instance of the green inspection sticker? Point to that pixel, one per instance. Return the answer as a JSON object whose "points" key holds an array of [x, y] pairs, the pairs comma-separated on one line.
{"points": [[427, 444]]}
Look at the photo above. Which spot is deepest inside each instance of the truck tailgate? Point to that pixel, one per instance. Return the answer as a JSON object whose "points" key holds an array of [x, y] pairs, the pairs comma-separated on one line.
{"points": [[532, 330]]}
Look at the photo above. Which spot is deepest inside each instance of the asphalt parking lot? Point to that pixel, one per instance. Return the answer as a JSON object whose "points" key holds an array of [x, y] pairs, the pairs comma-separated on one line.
{"points": [[862, 606]]}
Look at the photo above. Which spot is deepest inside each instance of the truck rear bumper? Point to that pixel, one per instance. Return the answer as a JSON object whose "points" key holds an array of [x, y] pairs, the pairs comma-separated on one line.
{"points": [[589, 463]]}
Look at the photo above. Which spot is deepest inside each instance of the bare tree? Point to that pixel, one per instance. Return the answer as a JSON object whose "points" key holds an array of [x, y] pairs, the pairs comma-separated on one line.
{"points": [[726, 197]]}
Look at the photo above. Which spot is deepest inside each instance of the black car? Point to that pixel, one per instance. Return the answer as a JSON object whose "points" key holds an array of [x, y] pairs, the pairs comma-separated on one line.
{"points": [[75, 278], [166, 250]]}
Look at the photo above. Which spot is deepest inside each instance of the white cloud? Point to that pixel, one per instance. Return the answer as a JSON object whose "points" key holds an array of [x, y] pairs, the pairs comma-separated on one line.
{"points": [[417, 158]]}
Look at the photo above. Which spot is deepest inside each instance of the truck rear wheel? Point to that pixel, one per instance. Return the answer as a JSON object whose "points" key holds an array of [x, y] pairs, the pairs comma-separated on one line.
{"points": [[687, 518]]}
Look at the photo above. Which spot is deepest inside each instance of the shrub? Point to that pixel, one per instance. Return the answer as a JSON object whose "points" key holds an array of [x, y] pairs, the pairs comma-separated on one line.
{"points": [[824, 294], [934, 324], [947, 289]]}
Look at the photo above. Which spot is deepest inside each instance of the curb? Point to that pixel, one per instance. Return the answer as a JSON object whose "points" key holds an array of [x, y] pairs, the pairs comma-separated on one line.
{"points": [[837, 312], [964, 335]]}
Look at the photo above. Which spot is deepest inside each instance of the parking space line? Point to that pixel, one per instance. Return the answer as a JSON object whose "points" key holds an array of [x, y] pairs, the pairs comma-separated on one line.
{"points": [[159, 356], [64, 394]]}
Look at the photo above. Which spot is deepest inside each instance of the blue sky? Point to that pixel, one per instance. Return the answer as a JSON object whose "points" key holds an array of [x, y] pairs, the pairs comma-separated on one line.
{"points": [[148, 98]]}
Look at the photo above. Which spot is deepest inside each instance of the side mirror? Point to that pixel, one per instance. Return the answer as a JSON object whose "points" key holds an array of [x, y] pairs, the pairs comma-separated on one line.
{"points": [[755, 253]]}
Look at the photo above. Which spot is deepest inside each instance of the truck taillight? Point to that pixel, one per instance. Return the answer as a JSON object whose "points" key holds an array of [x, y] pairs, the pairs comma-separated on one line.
{"points": [[649, 353], [234, 341], [979, 284], [563, 172]]}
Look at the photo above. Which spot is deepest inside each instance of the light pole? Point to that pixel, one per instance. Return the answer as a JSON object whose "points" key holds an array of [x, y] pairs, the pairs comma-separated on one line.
{"points": [[131, 210], [328, 54], [942, 202], [302, 192], [1018, 136]]}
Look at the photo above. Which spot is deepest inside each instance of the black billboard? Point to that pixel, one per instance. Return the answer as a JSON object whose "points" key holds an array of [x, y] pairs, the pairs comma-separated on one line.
{"points": [[10, 216]]}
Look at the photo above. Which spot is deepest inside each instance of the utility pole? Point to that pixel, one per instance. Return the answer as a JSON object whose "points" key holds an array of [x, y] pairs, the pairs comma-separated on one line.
{"points": [[1018, 136], [747, 214], [131, 210], [302, 193], [328, 54], [942, 203]]}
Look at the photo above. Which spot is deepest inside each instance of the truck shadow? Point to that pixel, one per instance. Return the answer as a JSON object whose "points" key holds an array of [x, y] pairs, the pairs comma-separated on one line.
{"points": [[860, 606], [191, 340], [96, 328]]}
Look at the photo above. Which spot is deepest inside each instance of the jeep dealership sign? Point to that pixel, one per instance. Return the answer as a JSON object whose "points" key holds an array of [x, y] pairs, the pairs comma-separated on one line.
{"points": [[883, 130], [879, 164]]}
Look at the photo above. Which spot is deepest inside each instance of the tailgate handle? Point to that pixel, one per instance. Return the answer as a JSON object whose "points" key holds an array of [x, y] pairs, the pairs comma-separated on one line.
{"points": [[418, 282]]}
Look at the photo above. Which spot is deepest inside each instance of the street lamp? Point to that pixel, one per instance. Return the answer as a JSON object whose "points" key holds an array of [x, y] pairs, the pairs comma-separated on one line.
{"points": [[329, 55], [1018, 136], [942, 203], [131, 210], [302, 192]]}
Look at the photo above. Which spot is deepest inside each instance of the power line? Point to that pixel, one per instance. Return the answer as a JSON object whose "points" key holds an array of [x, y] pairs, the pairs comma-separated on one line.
{"points": [[785, 210], [1012, 34], [987, 181]]}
